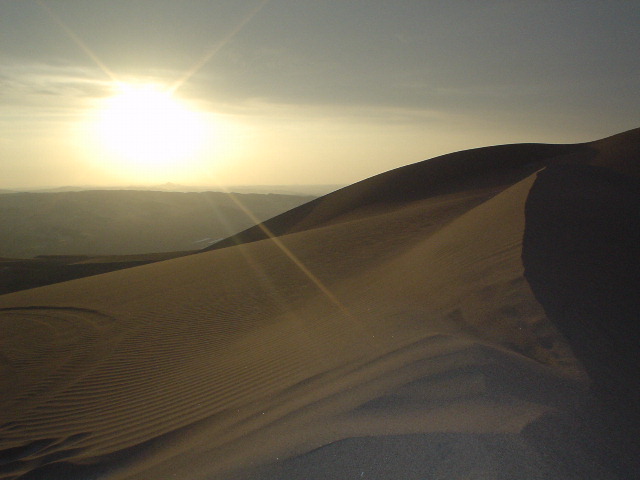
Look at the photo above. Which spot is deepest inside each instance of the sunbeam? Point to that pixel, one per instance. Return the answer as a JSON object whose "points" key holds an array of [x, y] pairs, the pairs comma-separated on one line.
{"points": [[293, 258], [217, 47], [78, 41]]}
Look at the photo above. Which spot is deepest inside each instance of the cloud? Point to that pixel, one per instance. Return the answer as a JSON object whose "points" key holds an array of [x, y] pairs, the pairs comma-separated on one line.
{"points": [[20, 82]]}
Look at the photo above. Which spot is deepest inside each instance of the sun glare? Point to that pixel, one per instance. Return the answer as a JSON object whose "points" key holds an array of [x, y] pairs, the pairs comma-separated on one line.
{"points": [[147, 128]]}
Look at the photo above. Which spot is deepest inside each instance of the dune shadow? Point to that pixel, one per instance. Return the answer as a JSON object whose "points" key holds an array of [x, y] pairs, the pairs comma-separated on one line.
{"points": [[581, 253]]}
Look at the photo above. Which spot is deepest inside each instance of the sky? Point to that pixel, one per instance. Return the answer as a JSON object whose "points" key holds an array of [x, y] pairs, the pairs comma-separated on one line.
{"points": [[260, 92]]}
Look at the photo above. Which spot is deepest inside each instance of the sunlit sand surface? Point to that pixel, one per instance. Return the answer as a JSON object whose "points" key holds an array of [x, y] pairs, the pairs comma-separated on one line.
{"points": [[430, 358]]}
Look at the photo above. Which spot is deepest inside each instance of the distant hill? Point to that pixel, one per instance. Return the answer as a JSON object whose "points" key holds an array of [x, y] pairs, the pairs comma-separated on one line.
{"points": [[120, 222], [300, 190]]}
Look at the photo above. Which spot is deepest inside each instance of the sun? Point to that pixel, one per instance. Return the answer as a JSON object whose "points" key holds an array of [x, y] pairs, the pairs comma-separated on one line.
{"points": [[148, 128]]}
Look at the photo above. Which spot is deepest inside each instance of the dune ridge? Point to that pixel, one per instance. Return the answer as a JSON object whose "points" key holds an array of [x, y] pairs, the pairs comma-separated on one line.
{"points": [[425, 354]]}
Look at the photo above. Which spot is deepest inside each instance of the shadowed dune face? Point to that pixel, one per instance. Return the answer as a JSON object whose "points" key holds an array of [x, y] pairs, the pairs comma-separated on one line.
{"points": [[619, 153], [581, 252], [409, 345]]}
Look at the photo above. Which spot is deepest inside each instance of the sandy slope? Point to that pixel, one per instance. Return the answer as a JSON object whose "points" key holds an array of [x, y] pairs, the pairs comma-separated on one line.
{"points": [[22, 274], [386, 336]]}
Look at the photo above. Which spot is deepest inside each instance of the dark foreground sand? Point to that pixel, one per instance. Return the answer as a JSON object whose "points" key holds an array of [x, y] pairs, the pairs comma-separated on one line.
{"points": [[390, 331]]}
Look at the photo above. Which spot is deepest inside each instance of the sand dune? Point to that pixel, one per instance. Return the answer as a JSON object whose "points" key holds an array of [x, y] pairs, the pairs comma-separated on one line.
{"points": [[388, 332], [22, 274]]}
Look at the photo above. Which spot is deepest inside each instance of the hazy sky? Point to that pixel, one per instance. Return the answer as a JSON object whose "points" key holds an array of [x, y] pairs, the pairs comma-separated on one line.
{"points": [[303, 91]]}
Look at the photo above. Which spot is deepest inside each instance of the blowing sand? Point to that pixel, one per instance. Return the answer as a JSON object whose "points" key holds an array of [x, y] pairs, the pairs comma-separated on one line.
{"points": [[388, 332]]}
